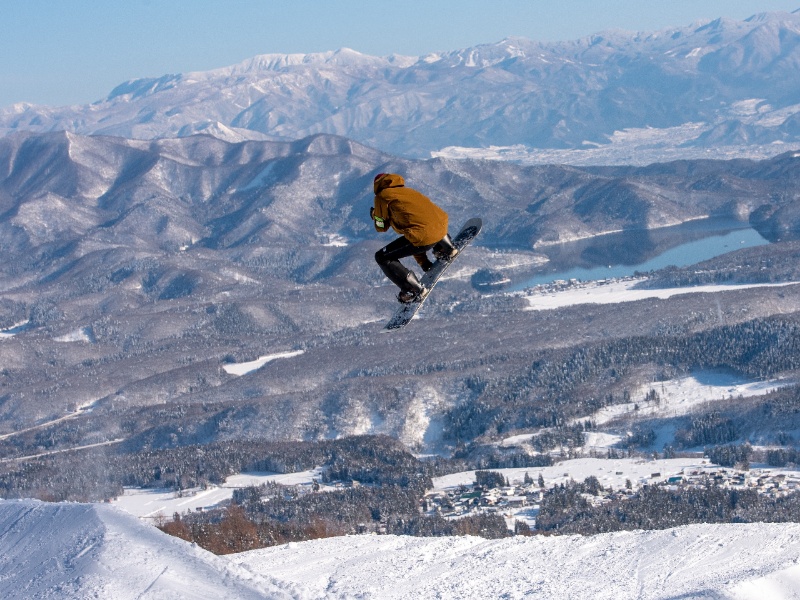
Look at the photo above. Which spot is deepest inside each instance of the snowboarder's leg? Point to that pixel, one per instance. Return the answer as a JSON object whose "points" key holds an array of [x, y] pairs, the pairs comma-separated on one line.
{"points": [[388, 259], [423, 261]]}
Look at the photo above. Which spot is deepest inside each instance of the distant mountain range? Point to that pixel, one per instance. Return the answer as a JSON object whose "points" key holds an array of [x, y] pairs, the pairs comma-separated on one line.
{"points": [[734, 82], [64, 197]]}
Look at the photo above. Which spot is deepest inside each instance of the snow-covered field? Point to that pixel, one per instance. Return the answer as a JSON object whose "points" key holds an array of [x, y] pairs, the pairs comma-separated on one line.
{"points": [[632, 146], [614, 292], [610, 473], [247, 367], [155, 503], [680, 396], [79, 551], [676, 397]]}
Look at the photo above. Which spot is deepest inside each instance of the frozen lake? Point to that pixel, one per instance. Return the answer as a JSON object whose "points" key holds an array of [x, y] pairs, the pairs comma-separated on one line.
{"points": [[623, 254]]}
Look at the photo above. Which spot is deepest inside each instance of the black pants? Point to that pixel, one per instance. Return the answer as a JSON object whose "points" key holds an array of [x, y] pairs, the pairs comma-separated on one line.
{"points": [[388, 259]]}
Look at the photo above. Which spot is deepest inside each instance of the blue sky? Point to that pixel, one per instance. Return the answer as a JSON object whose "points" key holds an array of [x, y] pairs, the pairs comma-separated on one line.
{"points": [[60, 52]]}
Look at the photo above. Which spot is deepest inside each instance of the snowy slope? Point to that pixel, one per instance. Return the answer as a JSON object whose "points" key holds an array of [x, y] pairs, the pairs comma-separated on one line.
{"points": [[94, 551], [758, 562]]}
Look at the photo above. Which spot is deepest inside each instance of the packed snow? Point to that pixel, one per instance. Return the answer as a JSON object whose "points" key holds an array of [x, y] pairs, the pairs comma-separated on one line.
{"points": [[710, 561], [247, 367]]}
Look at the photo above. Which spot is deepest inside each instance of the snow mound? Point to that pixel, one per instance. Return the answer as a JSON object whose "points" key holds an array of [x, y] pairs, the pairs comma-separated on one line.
{"points": [[743, 561], [95, 551]]}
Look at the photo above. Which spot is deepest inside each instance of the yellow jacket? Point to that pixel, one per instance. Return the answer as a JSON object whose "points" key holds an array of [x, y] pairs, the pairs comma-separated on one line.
{"points": [[408, 212]]}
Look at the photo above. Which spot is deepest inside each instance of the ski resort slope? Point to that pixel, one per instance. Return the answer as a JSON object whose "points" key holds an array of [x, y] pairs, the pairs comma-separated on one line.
{"points": [[77, 551], [741, 562]]}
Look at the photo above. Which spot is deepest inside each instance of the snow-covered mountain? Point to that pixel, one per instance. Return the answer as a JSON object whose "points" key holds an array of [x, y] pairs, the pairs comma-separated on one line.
{"points": [[731, 82], [229, 238], [93, 551]]}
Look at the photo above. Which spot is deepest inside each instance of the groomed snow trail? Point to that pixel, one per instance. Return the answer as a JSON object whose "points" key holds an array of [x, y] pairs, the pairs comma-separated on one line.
{"points": [[743, 562]]}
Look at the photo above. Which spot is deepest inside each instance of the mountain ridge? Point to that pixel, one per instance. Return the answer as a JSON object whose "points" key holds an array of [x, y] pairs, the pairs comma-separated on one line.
{"points": [[517, 91], [203, 191]]}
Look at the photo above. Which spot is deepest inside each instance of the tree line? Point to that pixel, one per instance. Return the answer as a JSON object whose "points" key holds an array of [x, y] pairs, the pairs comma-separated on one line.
{"points": [[566, 510], [99, 473]]}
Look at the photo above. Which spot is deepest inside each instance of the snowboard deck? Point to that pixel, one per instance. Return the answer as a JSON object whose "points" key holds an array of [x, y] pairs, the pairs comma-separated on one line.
{"points": [[406, 312]]}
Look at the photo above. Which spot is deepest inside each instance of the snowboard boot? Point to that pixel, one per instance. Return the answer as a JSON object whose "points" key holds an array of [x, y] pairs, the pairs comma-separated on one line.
{"points": [[444, 249], [413, 291]]}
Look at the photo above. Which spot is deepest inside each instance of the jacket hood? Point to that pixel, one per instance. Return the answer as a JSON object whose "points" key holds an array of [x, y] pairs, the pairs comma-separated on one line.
{"points": [[388, 181]]}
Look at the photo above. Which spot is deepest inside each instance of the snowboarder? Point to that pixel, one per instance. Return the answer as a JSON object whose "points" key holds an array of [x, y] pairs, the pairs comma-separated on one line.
{"points": [[422, 225]]}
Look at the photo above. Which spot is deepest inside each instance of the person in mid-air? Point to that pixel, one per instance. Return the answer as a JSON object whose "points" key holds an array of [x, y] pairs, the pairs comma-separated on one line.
{"points": [[422, 225]]}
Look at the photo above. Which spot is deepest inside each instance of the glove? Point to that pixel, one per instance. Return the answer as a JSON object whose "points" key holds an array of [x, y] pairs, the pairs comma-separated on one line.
{"points": [[379, 223]]}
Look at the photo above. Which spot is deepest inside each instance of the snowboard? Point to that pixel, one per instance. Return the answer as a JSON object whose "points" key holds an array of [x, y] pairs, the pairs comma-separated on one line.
{"points": [[406, 312]]}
